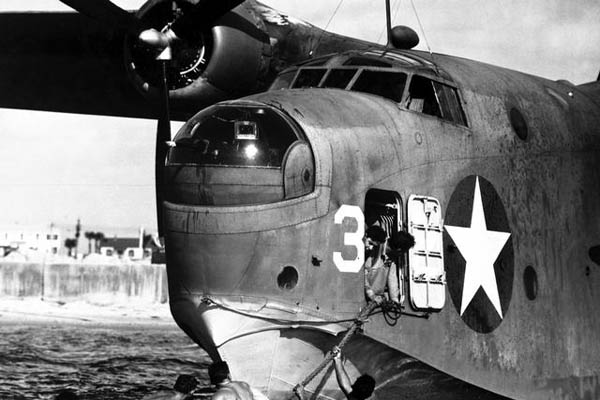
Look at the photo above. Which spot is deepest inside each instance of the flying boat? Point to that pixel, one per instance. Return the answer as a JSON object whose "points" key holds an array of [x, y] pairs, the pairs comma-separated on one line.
{"points": [[295, 141]]}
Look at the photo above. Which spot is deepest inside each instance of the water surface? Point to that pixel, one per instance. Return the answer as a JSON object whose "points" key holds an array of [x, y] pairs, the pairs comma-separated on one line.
{"points": [[38, 359]]}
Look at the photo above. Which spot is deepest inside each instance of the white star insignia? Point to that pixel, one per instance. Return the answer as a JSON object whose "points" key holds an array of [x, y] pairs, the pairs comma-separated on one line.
{"points": [[480, 249]]}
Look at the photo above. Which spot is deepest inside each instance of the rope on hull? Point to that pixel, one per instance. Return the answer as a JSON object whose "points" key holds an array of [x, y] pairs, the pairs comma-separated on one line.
{"points": [[360, 319]]}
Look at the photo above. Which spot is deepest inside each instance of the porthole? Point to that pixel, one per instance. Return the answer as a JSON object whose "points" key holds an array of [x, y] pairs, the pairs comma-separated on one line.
{"points": [[530, 282], [287, 278], [518, 123]]}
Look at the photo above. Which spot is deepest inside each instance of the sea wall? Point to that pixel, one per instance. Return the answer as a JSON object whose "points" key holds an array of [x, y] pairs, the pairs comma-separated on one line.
{"points": [[95, 283]]}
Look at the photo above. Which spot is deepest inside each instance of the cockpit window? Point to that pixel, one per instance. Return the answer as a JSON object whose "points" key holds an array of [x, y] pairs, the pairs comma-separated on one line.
{"points": [[435, 98], [234, 135], [382, 83], [450, 104], [283, 80], [309, 77], [339, 78], [422, 97]]}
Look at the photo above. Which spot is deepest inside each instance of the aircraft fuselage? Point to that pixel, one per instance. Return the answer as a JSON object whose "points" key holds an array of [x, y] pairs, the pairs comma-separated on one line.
{"points": [[516, 177]]}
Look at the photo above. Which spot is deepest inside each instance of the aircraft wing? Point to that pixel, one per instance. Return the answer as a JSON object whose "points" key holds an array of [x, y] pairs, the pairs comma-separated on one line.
{"points": [[65, 62]]}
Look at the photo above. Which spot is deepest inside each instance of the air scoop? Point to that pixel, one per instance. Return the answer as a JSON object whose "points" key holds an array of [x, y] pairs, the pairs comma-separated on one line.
{"points": [[239, 153]]}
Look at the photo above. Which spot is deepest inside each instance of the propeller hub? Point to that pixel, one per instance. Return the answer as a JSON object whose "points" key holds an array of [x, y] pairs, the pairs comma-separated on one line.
{"points": [[187, 56], [159, 40]]}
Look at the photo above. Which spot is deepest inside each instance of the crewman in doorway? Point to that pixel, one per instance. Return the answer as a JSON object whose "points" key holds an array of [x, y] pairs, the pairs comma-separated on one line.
{"points": [[375, 270], [361, 389], [383, 257], [226, 388], [182, 390]]}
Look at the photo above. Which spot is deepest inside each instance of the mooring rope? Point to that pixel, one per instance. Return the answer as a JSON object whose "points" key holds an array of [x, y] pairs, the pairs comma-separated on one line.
{"points": [[360, 319], [208, 300]]}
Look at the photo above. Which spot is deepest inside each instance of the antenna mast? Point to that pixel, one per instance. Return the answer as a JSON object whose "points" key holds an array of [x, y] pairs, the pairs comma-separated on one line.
{"points": [[388, 22]]}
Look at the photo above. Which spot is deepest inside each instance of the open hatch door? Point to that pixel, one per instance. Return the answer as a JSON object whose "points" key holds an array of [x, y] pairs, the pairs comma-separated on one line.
{"points": [[427, 278]]}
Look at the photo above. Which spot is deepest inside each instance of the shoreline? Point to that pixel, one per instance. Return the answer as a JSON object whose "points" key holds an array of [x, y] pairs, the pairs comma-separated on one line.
{"points": [[16, 310]]}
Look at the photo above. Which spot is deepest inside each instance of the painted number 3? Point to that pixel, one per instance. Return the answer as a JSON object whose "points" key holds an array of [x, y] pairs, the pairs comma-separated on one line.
{"points": [[351, 239]]}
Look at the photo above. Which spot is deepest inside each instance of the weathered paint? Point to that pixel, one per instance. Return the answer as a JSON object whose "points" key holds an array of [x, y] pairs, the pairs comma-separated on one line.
{"points": [[546, 183]]}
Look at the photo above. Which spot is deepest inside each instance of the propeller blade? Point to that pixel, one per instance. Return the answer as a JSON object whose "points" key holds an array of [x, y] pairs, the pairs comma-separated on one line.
{"points": [[106, 12], [163, 135], [210, 10]]}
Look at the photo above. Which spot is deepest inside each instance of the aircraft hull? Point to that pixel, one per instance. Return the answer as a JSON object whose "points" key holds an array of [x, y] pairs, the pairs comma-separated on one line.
{"points": [[235, 254], [274, 357]]}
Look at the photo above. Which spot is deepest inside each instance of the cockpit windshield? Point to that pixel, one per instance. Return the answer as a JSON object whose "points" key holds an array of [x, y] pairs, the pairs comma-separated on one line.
{"points": [[430, 91], [248, 135]]}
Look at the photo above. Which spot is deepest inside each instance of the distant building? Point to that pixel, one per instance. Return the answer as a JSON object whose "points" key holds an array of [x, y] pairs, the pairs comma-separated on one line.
{"points": [[130, 249], [30, 240], [34, 243], [127, 248]]}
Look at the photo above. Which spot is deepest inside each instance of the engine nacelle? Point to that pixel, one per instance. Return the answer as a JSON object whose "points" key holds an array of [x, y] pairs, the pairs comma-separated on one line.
{"points": [[229, 60]]}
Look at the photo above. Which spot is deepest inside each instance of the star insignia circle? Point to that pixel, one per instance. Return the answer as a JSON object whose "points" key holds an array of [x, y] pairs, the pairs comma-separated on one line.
{"points": [[478, 254]]}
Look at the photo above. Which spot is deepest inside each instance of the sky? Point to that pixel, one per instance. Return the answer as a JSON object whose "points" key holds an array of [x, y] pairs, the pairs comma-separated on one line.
{"points": [[100, 169]]}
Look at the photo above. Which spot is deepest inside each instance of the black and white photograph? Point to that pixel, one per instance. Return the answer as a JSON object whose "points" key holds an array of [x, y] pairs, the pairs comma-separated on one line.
{"points": [[299, 200]]}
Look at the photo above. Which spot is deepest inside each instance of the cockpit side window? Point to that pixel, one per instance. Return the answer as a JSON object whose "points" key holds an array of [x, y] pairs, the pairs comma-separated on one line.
{"points": [[309, 77], [382, 83], [422, 97], [434, 98], [450, 103]]}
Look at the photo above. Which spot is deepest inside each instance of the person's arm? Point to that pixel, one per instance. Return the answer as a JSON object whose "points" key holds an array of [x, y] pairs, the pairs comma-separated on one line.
{"points": [[224, 394], [368, 288], [375, 282], [219, 396], [341, 375], [393, 283]]}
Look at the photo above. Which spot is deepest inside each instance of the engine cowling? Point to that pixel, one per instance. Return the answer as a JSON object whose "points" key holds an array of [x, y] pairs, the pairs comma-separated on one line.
{"points": [[229, 60]]}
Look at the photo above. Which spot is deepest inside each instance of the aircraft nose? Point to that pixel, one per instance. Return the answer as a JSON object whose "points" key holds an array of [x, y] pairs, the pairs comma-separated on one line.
{"points": [[239, 153]]}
